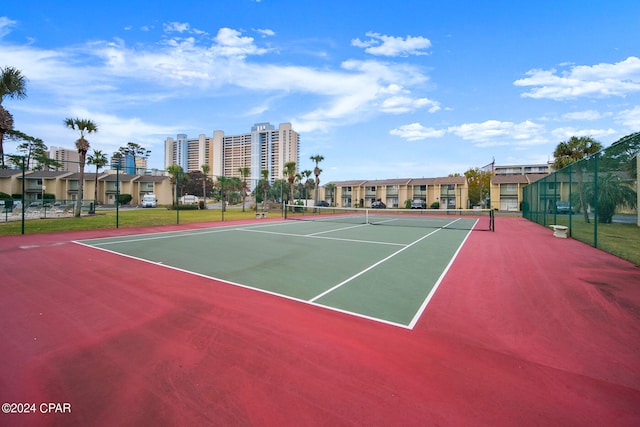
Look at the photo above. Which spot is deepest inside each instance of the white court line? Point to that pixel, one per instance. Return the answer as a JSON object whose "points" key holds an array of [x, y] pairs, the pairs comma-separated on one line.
{"points": [[170, 234], [371, 267], [253, 288], [338, 229], [418, 314], [315, 236]]}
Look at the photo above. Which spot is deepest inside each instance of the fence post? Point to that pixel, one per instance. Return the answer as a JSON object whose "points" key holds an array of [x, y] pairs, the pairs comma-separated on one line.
{"points": [[595, 201]]}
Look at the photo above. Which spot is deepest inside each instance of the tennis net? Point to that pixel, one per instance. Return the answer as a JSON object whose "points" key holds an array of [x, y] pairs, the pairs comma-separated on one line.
{"points": [[458, 219]]}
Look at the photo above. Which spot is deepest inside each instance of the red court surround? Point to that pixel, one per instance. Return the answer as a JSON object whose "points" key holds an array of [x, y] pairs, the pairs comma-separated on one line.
{"points": [[525, 330]]}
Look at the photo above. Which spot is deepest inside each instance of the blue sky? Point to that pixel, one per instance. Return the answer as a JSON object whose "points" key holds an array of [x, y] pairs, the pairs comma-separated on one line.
{"points": [[381, 89]]}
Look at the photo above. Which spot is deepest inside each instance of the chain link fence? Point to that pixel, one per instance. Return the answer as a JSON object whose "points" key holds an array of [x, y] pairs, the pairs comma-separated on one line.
{"points": [[595, 197]]}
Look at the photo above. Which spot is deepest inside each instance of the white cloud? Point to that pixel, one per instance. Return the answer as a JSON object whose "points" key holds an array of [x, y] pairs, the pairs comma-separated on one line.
{"points": [[564, 133], [231, 43], [597, 81], [630, 118], [266, 32], [113, 73], [404, 104], [5, 25], [582, 115], [416, 132], [383, 45], [494, 133], [178, 27]]}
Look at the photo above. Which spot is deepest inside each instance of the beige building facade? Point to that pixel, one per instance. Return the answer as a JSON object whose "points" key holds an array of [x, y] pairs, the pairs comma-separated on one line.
{"points": [[64, 186]]}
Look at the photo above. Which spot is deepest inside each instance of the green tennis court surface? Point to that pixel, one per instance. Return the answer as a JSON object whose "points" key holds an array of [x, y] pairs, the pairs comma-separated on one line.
{"points": [[383, 273]]}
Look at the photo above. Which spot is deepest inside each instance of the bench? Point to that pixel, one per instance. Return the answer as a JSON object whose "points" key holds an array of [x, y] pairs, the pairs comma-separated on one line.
{"points": [[559, 231]]}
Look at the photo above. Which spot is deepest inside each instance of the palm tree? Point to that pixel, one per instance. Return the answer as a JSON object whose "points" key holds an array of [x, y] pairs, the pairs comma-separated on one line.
{"points": [[13, 85], [84, 126], [205, 172], [265, 186], [99, 159], [611, 192], [174, 171], [244, 173], [307, 183], [316, 171], [331, 188], [568, 152], [290, 172]]}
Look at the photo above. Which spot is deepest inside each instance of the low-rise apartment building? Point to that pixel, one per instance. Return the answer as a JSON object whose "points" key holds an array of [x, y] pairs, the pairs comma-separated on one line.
{"points": [[65, 185]]}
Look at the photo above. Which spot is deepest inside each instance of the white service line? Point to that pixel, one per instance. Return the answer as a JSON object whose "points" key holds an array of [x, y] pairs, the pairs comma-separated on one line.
{"points": [[371, 267], [315, 236]]}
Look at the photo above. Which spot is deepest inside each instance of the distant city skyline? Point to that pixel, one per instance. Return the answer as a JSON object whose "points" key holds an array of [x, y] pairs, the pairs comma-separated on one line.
{"points": [[380, 89]]}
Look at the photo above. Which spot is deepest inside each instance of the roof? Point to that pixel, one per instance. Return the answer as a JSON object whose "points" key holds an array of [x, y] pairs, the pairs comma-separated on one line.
{"points": [[46, 174], [4, 173], [153, 178], [402, 181], [510, 179]]}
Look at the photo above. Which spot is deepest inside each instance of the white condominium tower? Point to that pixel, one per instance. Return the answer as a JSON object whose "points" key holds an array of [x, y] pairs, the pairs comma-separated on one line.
{"points": [[265, 147]]}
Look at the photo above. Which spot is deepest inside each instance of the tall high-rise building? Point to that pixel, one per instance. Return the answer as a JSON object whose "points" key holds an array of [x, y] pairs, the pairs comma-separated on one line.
{"points": [[128, 164], [70, 159], [264, 148]]}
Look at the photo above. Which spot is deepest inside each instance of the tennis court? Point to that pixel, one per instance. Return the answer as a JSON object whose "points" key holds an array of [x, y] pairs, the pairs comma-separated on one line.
{"points": [[269, 322], [381, 265]]}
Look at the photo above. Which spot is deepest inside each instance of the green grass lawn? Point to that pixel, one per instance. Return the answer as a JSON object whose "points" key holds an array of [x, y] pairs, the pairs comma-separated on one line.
{"points": [[619, 239], [126, 218]]}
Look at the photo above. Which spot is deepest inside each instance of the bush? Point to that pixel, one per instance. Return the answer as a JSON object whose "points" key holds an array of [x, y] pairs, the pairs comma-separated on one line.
{"points": [[188, 207], [124, 199], [4, 196], [435, 205], [407, 204]]}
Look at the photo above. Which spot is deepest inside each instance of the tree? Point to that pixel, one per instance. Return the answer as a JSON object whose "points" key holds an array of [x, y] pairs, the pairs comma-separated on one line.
{"points": [[99, 159], [621, 155], [244, 173], [568, 152], [264, 185], [205, 173], [316, 171], [31, 148], [13, 85], [479, 181], [331, 188], [611, 193], [307, 183], [228, 188], [174, 171], [83, 126], [196, 183], [136, 151], [278, 189], [290, 172], [574, 149]]}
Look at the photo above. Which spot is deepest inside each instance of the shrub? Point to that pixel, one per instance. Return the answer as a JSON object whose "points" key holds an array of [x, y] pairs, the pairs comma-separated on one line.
{"points": [[124, 199], [435, 205]]}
